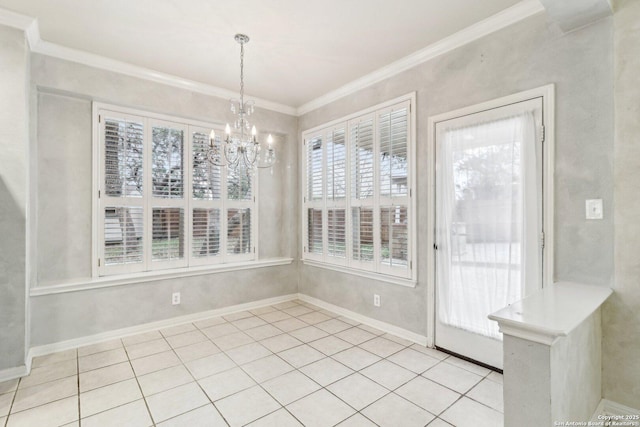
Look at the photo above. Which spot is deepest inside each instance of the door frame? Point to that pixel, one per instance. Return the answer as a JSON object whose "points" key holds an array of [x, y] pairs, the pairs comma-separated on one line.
{"points": [[547, 93]]}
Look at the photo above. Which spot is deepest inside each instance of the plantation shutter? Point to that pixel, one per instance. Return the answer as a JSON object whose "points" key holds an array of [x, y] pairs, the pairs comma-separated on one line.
{"points": [[121, 204], [240, 213], [207, 236], [335, 200], [314, 196], [362, 162], [393, 134], [167, 205], [357, 198]]}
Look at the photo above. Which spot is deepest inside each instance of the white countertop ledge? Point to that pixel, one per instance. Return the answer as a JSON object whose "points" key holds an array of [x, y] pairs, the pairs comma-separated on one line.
{"points": [[552, 312]]}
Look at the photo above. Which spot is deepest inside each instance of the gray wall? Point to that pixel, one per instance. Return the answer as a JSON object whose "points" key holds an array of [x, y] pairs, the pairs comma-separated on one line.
{"points": [[621, 315], [65, 92], [526, 55], [14, 140]]}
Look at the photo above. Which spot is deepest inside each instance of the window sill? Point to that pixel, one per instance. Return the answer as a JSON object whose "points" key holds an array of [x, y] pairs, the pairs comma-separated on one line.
{"points": [[409, 283], [151, 276]]}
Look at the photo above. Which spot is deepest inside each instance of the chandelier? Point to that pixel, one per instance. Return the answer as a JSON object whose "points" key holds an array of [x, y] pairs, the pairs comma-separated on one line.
{"points": [[241, 148]]}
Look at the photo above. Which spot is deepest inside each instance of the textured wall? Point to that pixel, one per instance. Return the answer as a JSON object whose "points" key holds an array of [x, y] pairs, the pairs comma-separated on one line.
{"points": [[14, 139], [64, 196], [526, 55], [576, 371], [621, 315]]}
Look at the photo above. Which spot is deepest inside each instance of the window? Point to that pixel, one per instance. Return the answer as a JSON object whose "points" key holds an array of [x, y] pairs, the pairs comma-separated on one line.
{"points": [[161, 204], [358, 207]]}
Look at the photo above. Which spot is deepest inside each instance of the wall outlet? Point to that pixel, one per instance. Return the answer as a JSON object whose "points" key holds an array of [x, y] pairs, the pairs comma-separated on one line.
{"points": [[376, 300], [594, 209], [175, 298]]}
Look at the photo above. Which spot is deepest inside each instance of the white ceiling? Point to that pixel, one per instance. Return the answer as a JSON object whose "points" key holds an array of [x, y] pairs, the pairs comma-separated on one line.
{"points": [[299, 49]]}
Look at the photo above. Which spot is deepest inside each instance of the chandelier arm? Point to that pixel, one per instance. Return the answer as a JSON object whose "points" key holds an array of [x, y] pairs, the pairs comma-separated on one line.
{"points": [[230, 160]]}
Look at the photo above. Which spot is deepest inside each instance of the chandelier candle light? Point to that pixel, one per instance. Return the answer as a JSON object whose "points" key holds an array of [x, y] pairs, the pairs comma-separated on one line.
{"points": [[240, 147]]}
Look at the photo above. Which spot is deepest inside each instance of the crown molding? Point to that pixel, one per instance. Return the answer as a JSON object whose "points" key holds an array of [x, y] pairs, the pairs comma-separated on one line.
{"points": [[21, 22], [15, 20], [500, 20], [104, 63], [32, 32]]}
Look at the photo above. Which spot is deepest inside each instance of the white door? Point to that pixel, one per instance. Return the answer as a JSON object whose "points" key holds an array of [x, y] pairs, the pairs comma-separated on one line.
{"points": [[488, 223]]}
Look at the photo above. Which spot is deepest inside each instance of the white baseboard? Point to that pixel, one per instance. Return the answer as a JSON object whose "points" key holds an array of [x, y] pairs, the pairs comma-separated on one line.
{"points": [[13, 373], [383, 326], [138, 329], [41, 350], [609, 407]]}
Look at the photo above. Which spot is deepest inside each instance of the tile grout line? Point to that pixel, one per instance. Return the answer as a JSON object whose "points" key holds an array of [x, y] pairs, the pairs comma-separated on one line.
{"points": [[15, 393], [295, 369], [135, 375], [78, 389]]}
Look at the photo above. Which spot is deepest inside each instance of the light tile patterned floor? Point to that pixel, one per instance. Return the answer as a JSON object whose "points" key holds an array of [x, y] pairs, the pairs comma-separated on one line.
{"points": [[290, 364]]}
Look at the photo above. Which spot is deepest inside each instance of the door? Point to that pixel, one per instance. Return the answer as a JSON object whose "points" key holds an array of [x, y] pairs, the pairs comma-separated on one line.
{"points": [[488, 223]]}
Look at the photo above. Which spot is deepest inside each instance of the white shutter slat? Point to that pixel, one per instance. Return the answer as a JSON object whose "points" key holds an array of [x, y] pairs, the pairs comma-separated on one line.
{"points": [[336, 165], [362, 161], [206, 177], [393, 134], [122, 233], [205, 241], [394, 236], [123, 157], [239, 183], [239, 231], [314, 231], [315, 178], [336, 231], [167, 159], [362, 234], [167, 234]]}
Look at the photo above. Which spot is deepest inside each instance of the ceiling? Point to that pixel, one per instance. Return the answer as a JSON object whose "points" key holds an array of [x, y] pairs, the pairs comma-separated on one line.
{"points": [[299, 49]]}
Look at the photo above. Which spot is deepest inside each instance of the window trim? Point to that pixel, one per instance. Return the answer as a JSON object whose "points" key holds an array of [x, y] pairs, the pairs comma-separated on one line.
{"points": [[197, 265], [350, 266]]}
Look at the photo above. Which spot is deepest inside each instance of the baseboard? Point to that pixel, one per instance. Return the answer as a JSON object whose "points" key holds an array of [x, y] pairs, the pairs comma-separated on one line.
{"points": [[611, 408], [41, 350], [13, 373], [383, 326], [146, 327]]}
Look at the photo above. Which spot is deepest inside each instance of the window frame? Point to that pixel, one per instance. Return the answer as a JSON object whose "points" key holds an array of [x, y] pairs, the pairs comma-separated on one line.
{"points": [[147, 201], [374, 269]]}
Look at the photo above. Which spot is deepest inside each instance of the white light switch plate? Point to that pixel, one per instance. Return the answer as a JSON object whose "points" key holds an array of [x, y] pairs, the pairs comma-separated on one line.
{"points": [[594, 209]]}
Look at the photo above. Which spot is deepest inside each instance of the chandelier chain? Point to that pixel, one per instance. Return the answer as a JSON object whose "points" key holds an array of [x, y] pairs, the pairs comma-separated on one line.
{"points": [[242, 77]]}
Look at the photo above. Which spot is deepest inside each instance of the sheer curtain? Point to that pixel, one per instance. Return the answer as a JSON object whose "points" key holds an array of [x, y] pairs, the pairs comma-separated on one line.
{"points": [[487, 220]]}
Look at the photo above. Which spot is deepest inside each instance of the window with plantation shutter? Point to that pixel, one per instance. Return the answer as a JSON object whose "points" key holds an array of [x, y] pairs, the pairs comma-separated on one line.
{"points": [[121, 221], [357, 202], [161, 204]]}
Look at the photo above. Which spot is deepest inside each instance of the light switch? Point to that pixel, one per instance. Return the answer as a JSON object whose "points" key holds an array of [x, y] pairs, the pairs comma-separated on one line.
{"points": [[594, 209]]}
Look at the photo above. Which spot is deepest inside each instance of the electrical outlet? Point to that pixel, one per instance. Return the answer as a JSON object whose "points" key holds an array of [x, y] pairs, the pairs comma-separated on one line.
{"points": [[593, 209], [376, 300], [175, 298]]}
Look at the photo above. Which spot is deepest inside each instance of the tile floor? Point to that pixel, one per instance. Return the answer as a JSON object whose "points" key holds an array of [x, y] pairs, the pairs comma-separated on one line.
{"points": [[290, 364]]}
